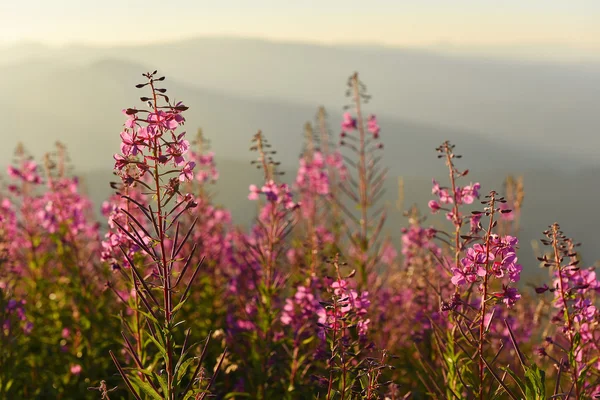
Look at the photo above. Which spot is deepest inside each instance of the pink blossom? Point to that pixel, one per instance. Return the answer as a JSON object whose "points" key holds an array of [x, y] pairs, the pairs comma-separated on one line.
{"points": [[349, 123], [187, 173], [75, 369], [434, 206], [373, 126]]}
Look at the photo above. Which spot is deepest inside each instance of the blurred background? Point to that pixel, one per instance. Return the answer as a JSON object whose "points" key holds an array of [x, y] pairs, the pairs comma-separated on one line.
{"points": [[515, 85]]}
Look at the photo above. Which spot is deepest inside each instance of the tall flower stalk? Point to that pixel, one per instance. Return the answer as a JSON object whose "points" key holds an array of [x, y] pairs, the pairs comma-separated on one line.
{"points": [[576, 318], [364, 188], [153, 159]]}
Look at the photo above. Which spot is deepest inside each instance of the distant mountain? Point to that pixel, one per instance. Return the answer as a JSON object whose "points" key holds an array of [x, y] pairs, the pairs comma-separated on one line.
{"points": [[81, 106], [549, 105]]}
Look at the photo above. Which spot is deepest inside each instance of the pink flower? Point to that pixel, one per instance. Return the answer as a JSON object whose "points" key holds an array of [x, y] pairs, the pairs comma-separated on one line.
{"points": [[75, 369], [187, 173], [253, 193], [373, 126], [434, 206], [13, 172], [468, 194], [129, 146], [436, 187], [349, 123], [445, 197], [178, 149]]}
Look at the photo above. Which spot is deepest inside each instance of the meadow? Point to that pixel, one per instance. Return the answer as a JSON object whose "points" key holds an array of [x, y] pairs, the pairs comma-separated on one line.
{"points": [[167, 297]]}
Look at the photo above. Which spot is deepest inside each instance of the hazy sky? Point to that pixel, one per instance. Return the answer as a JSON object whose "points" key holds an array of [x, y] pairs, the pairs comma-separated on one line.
{"points": [[393, 22]]}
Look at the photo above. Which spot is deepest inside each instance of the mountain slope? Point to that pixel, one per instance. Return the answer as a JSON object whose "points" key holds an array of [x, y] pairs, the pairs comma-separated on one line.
{"points": [[545, 104]]}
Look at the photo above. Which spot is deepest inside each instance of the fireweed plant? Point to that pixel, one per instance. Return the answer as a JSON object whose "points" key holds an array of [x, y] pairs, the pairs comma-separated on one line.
{"points": [[337, 172], [152, 158], [364, 187], [265, 247], [574, 343], [310, 301], [313, 185], [483, 268], [345, 324]]}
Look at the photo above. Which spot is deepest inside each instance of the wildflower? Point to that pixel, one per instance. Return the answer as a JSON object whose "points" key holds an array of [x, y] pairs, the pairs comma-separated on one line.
{"points": [[510, 296], [434, 206], [373, 126], [349, 123], [187, 173]]}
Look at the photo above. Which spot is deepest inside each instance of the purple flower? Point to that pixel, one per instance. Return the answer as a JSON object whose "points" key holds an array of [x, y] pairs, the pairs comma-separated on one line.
{"points": [[510, 296]]}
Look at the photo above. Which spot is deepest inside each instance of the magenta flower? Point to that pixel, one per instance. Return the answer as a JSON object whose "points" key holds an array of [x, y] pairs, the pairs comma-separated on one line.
{"points": [[474, 222], [373, 126], [348, 123], [434, 206], [178, 149], [75, 369], [510, 296], [468, 194], [445, 196], [187, 173], [13, 172], [129, 145]]}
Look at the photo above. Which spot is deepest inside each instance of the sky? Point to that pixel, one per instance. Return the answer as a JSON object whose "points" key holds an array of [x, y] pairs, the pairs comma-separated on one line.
{"points": [[419, 23]]}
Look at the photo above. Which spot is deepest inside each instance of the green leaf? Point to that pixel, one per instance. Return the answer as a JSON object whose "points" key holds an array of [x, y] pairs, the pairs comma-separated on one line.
{"points": [[536, 383], [236, 394], [145, 388], [163, 383], [181, 369], [160, 347], [516, 378], [179, 305]]}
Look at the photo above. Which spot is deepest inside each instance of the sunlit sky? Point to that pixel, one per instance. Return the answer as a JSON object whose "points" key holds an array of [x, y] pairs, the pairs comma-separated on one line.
{"points": [[573, 23]]}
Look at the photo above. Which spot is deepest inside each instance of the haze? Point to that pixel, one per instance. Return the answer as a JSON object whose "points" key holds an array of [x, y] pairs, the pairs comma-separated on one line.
{"points": [[514, 84]]}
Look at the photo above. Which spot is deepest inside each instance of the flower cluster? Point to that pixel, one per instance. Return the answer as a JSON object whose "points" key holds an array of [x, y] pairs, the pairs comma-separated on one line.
{"points": [[301, 309], [348, 122], [348, 308], [373, 126], [153, 139], [417, 242], [27, 173], [276, 194], [312, 174], [336, 163], [207, 169], [462, 195], [498, 260], [64, 207]]}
